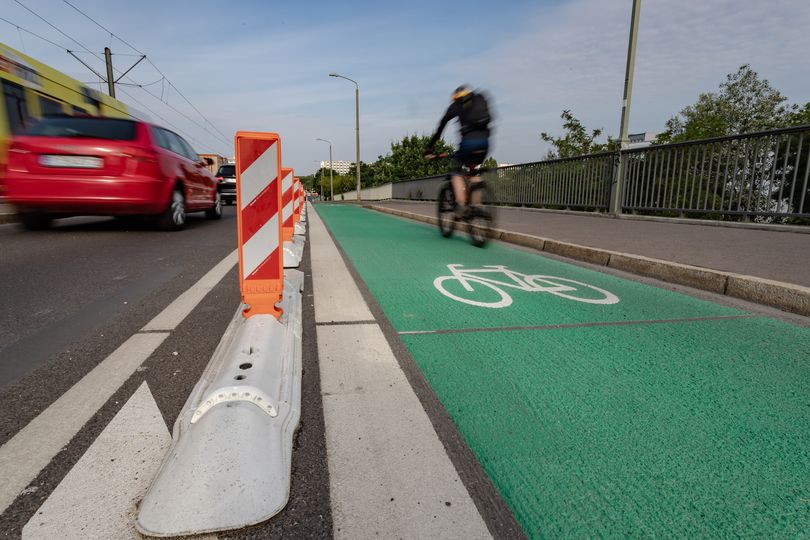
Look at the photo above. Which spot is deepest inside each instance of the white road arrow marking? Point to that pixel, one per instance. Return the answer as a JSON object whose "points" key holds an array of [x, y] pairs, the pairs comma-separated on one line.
{"points": [[98, 496]]}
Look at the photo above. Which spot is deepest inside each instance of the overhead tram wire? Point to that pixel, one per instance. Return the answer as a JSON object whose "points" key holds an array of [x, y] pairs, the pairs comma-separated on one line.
{"points": [[32, 33], [86, 49], [119, 38], [55, 82], [192, 139], [148, 109]]}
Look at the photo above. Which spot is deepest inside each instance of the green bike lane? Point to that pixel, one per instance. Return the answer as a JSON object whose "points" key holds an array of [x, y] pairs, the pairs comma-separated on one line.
{"points": [[657, 415]]}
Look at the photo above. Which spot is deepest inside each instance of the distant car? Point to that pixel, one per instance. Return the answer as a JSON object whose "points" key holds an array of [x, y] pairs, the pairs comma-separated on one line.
{"points": [[226, 174], [67, 166]]}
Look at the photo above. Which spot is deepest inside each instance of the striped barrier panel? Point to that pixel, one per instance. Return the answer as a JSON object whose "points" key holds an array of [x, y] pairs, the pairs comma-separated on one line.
{"points": [[293, 245], [300, 228], [229, 464], [258, 195], [297, 183], [287, 203]]}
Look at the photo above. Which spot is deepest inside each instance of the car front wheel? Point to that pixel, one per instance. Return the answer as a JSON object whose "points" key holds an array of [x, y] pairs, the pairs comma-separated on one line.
{"points": [[174, 217]]}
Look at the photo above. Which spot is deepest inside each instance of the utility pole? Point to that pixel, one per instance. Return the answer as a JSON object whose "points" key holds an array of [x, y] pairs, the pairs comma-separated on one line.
{"points": [[357, 140], [616, 192], [110, 81], [356, 126], [331, 183]]}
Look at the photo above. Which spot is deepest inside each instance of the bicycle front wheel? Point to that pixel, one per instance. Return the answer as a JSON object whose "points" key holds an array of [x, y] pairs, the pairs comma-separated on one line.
{"points": [[447, 210], [481, 217]]}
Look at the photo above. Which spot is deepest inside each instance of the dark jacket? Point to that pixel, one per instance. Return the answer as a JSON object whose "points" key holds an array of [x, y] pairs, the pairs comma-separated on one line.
{"points": [[473, 115]]}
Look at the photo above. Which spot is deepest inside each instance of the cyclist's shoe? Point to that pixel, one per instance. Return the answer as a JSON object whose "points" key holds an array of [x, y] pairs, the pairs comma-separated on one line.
{"points": [[462, 211]]}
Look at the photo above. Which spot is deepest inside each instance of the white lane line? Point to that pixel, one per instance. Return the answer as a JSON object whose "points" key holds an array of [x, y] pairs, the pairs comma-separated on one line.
{"points": [[34, 446], [97, 498], [169, 318], [337, 297]]}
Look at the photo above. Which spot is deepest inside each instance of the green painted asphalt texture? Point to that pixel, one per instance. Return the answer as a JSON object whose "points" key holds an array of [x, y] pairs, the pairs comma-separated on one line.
{"points": [[660, 415]]}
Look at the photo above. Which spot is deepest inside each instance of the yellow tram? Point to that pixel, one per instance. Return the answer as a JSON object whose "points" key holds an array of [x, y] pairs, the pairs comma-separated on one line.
{"points": [[32, 89]]}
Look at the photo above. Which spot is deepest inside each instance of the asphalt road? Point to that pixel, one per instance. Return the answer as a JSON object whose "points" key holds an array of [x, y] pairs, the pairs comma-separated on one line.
{"points": [[70, 296]]}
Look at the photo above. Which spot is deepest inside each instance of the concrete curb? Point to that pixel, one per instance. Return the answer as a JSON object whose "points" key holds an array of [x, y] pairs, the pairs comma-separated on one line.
{"points": [[784, 296]]}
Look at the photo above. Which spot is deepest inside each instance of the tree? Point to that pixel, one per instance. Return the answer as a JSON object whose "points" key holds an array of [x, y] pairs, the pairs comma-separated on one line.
{"points": [[576, 141], [800, 116], [744, 104], [489, 163], [407, 159], [368, 174]]}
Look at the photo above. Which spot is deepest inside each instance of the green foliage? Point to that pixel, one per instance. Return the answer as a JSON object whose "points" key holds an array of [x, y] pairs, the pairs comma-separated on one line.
{"points": [[407, 159], [744, 104], [576, 141], [489, 163], [800, 116]]}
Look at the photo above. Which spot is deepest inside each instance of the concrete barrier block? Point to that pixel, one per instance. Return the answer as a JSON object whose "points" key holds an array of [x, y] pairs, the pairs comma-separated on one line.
{"points": [[574, 251], [230, 461], [785, 296], [683, 274], [293, 252]]}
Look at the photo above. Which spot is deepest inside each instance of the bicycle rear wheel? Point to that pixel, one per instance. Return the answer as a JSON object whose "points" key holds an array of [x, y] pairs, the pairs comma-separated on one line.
{"points": [[447, 210], [480, 220]]}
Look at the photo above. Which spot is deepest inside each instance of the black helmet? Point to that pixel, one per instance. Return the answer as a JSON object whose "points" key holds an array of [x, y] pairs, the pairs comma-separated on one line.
{"points": [[461, 91]]}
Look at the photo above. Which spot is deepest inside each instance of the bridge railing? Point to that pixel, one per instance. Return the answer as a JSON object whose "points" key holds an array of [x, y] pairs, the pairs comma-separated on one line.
{"points": [[579, 183], [756, 175], [762, 175]]}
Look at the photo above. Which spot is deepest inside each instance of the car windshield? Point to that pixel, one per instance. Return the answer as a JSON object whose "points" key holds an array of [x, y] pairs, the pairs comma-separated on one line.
{"points": [[80, 127], [227, 170]]}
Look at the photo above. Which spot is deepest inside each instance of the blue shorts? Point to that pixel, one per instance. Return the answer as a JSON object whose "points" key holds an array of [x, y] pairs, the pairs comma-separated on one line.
{"points": [[471, 152]]}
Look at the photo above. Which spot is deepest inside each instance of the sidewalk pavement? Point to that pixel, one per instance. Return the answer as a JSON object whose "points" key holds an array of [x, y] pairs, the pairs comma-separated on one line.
{"points": [[765, 265]]}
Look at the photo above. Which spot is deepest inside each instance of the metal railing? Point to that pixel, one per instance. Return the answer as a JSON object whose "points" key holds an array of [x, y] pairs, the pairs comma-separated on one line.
{"points": [[753, 175], [581, 183], [762, 175]]}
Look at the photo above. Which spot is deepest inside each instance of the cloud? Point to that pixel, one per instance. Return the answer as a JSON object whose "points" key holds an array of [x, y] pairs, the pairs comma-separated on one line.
{"points": [[264, 66], [572, 56]]}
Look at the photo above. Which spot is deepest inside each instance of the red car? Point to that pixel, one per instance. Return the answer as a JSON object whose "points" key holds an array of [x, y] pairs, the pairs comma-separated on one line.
{"points": [[69, 165]]}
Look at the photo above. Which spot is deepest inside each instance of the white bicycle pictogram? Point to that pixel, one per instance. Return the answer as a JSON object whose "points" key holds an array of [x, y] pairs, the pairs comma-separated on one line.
{"points": [[473, 280]]}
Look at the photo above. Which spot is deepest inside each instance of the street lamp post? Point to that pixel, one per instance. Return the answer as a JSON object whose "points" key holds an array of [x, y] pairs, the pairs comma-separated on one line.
{"points": [[616, 195], [331, 184], [356, 126]]}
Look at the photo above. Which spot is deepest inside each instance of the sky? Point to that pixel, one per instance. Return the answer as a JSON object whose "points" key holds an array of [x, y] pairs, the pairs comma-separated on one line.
{"points": [[264, 65]]}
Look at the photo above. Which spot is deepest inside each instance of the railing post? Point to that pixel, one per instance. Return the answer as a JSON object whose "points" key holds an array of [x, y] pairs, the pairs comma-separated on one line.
{"points": [[616, 183]]}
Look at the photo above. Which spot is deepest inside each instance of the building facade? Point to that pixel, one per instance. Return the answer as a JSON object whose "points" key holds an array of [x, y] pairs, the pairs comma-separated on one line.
{"points": [[640, 140], [338, 165], [217, 159]]}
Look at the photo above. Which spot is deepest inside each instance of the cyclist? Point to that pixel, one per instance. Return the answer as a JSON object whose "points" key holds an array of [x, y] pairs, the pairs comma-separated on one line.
{"points": [[472, 110]]}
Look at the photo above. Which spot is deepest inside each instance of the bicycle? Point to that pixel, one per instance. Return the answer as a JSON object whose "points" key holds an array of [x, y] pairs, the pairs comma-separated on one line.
{"points": [[562, 287], [479, 217]]}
